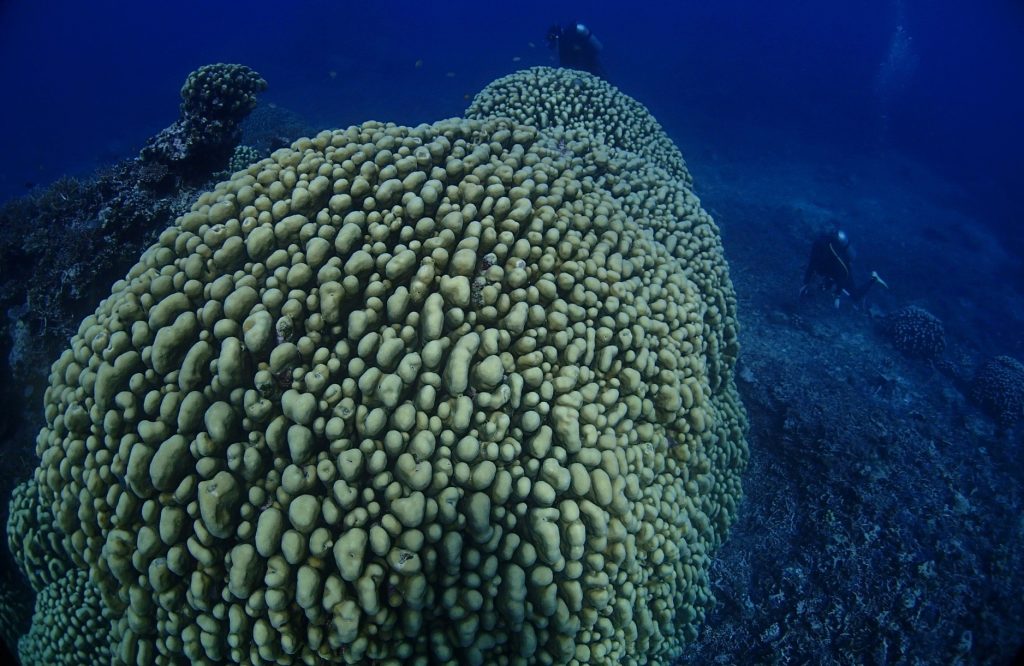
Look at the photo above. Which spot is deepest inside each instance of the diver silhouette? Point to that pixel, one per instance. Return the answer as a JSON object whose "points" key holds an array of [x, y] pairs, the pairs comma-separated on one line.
{"points": [[577, 47], [831, 260]]}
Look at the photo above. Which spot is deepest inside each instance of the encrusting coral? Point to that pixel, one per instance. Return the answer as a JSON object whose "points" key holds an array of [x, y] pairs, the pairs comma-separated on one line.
{"points": [[442, 394]]}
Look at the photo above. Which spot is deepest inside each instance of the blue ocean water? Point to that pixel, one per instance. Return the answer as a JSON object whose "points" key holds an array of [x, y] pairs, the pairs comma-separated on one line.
{"points": [[881, 522], [938, 80]]}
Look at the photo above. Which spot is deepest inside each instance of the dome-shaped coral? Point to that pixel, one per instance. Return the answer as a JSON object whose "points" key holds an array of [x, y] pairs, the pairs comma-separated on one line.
{"points": [[612, 140], [571, 100], [35, 542], [998, 388], [915, 332], [70, 625], [427, 395], [221, 91]]}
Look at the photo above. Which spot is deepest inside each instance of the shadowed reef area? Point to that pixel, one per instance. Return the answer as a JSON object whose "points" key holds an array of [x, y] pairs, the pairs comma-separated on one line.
{"points": [[881, 522]]}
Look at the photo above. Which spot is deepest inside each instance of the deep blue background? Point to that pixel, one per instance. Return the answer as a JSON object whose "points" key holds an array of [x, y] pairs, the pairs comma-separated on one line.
{"points": [[84, 83], [764, 82]]}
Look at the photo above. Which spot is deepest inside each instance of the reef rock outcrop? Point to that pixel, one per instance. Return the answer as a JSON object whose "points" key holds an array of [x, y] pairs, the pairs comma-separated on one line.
{"points": [[215, 100]]}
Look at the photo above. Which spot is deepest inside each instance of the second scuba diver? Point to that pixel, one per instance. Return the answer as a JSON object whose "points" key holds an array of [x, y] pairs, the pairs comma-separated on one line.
{"points": [[831, 261], [577, 47]]}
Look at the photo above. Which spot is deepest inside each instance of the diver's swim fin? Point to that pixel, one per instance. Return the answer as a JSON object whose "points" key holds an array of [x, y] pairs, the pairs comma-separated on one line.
{"points": [[877, 278]]}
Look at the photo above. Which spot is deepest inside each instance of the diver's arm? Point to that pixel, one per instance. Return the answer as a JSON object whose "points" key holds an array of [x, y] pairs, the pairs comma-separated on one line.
{"points": [[814, 265], [813, 262], [809, 273]]}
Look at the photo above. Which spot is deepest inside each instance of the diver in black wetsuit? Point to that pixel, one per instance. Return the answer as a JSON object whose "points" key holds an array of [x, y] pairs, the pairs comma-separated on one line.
{"points": [[832, 260], [577, 47]]}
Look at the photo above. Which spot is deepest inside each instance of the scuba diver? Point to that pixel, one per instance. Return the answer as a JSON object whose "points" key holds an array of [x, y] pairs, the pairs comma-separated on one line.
{"points": [[831, 260], [577, 47]]}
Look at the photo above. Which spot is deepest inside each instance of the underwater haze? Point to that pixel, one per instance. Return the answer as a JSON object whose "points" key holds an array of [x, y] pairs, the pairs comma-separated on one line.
{"points": [[937, 80], [711, 354]]}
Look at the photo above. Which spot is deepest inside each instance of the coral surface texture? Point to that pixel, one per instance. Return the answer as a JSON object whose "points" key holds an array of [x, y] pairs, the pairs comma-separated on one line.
{"points": [[460, 393]]}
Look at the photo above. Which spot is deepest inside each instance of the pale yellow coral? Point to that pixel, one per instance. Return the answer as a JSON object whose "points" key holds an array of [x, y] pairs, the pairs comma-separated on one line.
{"points": [[433, 394]]}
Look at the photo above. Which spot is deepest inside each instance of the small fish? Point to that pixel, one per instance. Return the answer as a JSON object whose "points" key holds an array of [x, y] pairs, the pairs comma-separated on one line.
{"points": [[531, 45], [333, 74], [450, 75], [419, 63], [516, 59]]}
